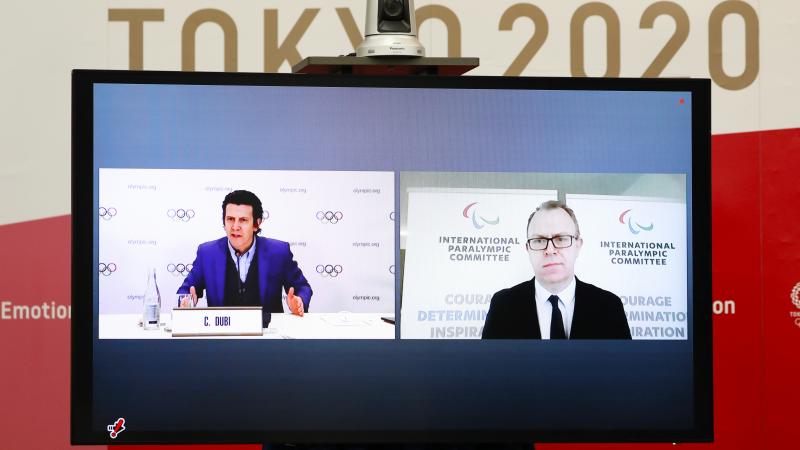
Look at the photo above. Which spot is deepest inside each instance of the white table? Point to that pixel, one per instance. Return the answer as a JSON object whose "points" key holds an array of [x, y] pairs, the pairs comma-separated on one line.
{"points": [[282, 326]]}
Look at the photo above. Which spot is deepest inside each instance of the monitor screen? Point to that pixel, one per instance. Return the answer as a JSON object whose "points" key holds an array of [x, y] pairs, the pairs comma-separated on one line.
{"points": [[279, 258]]}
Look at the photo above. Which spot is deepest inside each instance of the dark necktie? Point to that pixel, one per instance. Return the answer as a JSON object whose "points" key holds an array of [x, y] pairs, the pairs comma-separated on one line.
{"points": [[556, 322]]}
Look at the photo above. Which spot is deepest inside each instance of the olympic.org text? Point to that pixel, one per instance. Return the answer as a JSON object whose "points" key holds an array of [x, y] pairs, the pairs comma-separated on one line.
{"points": [[366, 244], [142, 187], [142, 242], [366, 190], [300, 190], [218, 189]]}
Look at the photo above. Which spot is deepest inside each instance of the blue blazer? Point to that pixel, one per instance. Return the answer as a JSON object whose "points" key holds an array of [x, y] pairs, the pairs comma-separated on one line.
{"points": [[277, 270]]}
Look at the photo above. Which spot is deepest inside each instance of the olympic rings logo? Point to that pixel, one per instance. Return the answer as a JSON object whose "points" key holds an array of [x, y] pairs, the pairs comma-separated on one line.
{"points": [[107, 213], [179, 269], [180, 215], [329, 216], [107, 269], [329, 270]]}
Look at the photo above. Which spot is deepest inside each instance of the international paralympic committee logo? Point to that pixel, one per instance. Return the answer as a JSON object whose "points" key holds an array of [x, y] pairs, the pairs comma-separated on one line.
{"points": [[106, 269], [626, 218], [332, 217], [180, 214], [478, 221], [107, 213], [329, 270], [179, 270]]}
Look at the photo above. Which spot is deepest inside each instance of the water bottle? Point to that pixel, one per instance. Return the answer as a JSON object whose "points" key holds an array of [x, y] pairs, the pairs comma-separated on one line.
{"points": [[152, 303]]}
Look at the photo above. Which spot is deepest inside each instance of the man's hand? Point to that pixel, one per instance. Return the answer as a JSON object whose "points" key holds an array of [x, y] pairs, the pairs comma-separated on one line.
{"points": [[192, 297], [295, 303]]}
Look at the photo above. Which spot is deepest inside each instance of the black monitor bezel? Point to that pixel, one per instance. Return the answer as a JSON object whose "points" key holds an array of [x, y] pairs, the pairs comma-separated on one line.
{"points": [[82, 269]]}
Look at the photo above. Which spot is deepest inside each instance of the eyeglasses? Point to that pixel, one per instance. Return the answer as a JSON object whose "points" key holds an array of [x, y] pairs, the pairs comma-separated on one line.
{"points": [[541, 243]]}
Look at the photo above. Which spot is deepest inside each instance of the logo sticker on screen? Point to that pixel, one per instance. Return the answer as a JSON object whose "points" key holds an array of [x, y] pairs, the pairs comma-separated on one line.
{"points": [[116, 428]]}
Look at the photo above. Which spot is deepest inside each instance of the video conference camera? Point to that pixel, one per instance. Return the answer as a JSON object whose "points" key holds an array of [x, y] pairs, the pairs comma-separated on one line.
{"points": [[391, 30]]}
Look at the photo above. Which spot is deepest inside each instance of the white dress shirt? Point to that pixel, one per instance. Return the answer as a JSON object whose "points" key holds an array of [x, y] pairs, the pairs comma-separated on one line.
{"points": [[566, 304]]}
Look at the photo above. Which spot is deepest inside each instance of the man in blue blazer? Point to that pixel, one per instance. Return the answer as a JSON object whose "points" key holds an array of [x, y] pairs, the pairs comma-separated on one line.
{"points": [[243, 269]]}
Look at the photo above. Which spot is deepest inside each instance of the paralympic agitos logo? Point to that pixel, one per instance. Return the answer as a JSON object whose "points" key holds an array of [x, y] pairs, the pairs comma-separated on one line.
{"points": [[478, 220], [635, 227]]}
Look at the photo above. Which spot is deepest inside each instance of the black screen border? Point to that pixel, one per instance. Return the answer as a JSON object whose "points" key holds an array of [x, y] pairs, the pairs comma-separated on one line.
{"points": [[83, 82]]}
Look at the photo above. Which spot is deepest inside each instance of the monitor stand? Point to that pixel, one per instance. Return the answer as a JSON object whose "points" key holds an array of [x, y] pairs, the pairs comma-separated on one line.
{"points": [[484, 446], [392, 65]]}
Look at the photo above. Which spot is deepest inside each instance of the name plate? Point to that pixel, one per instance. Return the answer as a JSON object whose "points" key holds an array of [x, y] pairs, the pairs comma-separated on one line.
{"points": [[233, 321]]}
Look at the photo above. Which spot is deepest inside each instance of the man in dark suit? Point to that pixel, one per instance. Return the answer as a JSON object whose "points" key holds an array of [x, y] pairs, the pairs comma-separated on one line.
{"points": [[555, 304], [243, 269]]}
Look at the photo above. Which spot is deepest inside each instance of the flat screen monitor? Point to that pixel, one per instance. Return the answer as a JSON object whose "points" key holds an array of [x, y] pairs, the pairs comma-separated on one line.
{"points": [[306, 259]]}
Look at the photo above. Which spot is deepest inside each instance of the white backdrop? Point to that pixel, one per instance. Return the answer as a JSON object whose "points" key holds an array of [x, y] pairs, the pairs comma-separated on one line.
{"points": [[445, 294], [142, 229], [636, 248]]}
